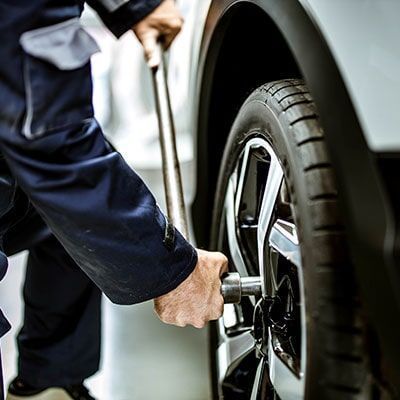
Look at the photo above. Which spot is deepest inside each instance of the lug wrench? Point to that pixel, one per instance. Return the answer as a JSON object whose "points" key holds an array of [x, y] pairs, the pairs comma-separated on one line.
{"points": [[233, 287]]}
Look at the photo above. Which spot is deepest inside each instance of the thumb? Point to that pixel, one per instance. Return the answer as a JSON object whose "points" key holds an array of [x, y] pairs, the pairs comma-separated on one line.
{"points": [[152, 50]]}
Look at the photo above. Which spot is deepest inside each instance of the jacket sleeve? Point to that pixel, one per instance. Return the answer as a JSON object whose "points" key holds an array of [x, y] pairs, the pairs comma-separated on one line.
{"points": [[121, 15], [101, 212]]}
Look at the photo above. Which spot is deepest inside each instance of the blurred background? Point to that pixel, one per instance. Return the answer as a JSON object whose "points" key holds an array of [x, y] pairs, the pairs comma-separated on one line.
{"points": [[141, 357]]}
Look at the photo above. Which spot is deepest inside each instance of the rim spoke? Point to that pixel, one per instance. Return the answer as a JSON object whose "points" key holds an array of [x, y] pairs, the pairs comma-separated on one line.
{"points": [[231, 230], [283, 238], [232, 350], [285, 382], [272, 187], [272, 274], [250, 218], [241, 177]]}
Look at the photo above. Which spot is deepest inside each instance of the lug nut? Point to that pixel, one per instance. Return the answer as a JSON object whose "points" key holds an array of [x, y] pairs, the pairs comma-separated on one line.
{"points": [[234, 287]]}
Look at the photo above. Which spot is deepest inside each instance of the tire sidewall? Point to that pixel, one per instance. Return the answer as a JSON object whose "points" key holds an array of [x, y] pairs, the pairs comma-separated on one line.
{"points": [[259, 117]]}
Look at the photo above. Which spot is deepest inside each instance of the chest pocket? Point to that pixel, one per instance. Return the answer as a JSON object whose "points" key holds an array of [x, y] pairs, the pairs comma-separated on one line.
{"points": [[57, 77]]}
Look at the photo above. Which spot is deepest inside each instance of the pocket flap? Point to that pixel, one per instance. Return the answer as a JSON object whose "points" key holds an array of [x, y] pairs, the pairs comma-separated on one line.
{"points": [[66, 45]]}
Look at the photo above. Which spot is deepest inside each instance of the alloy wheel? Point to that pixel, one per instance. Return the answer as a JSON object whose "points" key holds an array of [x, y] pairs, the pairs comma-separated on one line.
{"points": [[261, 349]]}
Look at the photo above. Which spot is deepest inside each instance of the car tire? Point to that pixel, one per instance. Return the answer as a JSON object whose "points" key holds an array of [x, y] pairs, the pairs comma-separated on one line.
{"points": [[284, 115]]}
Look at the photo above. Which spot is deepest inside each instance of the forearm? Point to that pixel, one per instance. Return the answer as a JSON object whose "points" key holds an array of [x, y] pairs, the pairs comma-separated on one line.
{"points": [[102, 213]]}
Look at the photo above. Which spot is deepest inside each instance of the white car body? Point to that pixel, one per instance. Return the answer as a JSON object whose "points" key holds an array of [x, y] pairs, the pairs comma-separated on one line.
{"points": [[363, 36]]}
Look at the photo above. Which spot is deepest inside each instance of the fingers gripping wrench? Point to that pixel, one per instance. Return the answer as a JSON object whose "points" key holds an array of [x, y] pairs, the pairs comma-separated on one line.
{"points": [[233, 287]]}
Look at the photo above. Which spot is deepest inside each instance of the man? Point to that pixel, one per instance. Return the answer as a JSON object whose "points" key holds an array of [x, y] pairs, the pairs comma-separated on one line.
{"points": [[58, 172]]}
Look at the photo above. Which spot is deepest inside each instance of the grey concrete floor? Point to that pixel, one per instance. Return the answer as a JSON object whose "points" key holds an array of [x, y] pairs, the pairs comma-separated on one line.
{"points": [[142, 359]]}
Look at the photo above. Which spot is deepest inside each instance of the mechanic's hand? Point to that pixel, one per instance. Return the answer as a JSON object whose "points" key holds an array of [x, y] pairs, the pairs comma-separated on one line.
{"points": [[198, 299], [163, 24]]}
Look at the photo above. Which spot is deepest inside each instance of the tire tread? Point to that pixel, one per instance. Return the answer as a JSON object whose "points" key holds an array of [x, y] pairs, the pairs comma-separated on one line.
{"points": [[343, 369], [338, 313]]}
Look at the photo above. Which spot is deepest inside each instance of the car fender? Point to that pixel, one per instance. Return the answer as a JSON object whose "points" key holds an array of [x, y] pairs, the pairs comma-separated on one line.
{"points": [[351, 134]]}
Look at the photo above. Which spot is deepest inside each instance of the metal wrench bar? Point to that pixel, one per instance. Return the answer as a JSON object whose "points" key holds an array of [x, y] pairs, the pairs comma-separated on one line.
{"points": [[232, 287], [171, 170]]}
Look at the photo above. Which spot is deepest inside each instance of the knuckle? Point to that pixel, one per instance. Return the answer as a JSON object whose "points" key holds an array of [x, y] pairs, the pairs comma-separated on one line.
{"points": [[177, 24], [175, 322], [180, 321], [217, 315], [174, 25], [222, 258], [214, 317], [199, 324], [165, 318]]}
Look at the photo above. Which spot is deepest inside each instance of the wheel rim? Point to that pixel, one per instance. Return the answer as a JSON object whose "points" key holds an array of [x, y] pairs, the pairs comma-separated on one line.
{"points": [[257, 231]]}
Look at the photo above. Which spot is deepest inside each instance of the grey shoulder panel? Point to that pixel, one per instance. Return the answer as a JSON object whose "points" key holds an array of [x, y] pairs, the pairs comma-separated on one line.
{"points": [[66, 45], [112, 5]]}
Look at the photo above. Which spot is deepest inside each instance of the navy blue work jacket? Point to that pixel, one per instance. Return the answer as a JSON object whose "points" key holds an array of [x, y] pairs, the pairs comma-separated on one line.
{"points": [[93, 202]]}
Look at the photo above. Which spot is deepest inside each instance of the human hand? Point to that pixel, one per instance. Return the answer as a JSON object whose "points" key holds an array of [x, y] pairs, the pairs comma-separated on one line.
{"points": [[163, 24], [198, 299]]}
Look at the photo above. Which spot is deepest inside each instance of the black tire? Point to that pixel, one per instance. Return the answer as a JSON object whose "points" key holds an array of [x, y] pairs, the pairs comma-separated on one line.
{"points": [[283, 112]]}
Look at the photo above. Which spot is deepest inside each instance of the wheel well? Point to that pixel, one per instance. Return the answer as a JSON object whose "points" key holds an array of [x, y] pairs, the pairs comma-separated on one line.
{"points": [[246, 51], [244, 48]]}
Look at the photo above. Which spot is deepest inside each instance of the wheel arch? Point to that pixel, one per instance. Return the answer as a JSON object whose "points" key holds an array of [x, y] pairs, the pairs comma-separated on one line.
{"points": [[289, 44]]}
